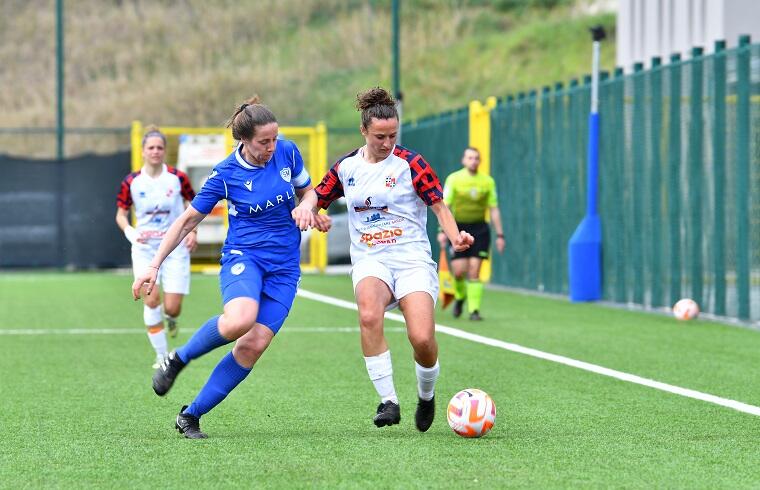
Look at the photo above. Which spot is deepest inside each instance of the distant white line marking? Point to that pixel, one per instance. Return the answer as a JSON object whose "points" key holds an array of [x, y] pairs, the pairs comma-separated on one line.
{"points": [[632, 378]]}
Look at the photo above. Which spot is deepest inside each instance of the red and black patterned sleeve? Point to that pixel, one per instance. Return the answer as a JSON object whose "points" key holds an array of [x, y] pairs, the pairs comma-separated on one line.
{"points": [[424, 179], [124, 197], [331, 188], [186, 188]]}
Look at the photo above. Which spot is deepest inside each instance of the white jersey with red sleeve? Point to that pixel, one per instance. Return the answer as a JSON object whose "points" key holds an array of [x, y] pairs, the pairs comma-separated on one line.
{"points": [[157, 201], [387, 204]]}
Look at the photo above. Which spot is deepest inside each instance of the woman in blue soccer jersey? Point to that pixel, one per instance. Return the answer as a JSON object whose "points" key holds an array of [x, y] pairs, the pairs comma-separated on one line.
{"points": [[388, 189], [260, 262]]}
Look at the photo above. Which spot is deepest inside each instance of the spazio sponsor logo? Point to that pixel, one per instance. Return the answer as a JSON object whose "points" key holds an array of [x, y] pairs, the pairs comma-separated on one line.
{"points": [[384, 237]]}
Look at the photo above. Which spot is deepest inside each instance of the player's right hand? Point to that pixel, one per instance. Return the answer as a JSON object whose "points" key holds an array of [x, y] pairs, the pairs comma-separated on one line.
{"points": [[147, 279], [322, 222]]}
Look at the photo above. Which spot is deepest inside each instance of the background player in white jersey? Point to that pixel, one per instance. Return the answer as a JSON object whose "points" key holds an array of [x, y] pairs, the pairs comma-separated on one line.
{"points": [[157, 194], [260, 257], [388, 189]]}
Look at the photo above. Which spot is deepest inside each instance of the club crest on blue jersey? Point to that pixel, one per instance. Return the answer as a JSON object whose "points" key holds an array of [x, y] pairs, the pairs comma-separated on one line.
{"points": [[285, 174]]}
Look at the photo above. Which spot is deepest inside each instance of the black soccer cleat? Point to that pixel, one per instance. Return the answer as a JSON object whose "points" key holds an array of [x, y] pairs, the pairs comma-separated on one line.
{"points": [[457, 310], [423, 417], [167, 372], [189, 425], [388, 413], [475, 316]]}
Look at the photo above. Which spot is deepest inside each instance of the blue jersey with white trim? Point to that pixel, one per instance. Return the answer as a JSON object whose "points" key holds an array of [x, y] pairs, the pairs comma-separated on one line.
{"points": [[259, 201]]}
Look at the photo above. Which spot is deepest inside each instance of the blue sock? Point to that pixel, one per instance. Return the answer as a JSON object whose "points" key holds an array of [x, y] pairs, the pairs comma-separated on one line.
{"points": [[205, 339], [224, 378]]}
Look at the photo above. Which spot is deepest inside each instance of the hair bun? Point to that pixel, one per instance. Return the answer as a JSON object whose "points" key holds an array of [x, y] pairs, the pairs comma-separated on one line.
{"points": [[374, 97]]}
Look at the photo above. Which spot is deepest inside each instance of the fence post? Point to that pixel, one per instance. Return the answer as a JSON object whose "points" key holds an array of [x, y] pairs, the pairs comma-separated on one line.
{"points": [[742, 174], [674, 177], [719, 167], [546, 180], [638, 139], [695, 156], [617, 141], [534, 259], [655, 140]]}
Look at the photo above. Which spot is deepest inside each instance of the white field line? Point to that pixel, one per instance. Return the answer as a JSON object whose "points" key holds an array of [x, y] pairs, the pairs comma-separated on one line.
{"points": [[127, 331], [631, 378]]}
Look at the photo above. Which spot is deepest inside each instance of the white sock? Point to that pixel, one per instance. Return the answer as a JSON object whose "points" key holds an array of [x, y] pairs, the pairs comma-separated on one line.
{"points": [[426, 378], [158, 341], [380, 371]]}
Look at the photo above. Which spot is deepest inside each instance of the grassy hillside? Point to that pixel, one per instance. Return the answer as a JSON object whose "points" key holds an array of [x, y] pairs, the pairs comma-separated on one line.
{"points": [[191, 62]]}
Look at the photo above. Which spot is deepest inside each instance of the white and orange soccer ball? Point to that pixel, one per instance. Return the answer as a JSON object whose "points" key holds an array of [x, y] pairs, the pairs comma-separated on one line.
{"points": [[686, 309], [471, 413]]}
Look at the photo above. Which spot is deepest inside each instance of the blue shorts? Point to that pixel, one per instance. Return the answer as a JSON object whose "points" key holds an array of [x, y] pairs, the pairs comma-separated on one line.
{"points": [[273, 286]]}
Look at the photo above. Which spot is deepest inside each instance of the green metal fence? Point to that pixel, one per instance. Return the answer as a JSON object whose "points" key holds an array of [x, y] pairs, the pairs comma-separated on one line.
{"points": [[679, 182], [441, 139]]}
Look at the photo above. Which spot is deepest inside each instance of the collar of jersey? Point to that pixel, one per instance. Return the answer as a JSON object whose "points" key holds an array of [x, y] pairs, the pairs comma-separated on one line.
{"points": [[363, 151], [243, 163], [163, 169]]}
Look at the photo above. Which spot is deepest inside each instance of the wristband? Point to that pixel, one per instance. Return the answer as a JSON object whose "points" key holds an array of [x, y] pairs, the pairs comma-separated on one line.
{"points": [[500, 235]]}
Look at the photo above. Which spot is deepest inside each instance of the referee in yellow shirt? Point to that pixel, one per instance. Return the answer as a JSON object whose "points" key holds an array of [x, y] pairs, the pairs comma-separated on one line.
{"points": [[469, 194]]}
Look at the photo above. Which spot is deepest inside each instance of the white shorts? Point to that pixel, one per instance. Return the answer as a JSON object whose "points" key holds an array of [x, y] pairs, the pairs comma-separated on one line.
{"points": [[174, 275], [401, 280]]}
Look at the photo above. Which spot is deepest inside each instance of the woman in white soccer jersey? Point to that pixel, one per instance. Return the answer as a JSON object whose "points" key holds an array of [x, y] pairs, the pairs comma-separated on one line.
{"points": [[159, 194], [388, 189], [260, 180]]}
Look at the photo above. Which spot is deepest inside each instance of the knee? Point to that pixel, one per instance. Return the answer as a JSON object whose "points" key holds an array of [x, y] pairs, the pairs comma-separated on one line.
{"points": [[248, 350], [370, 318], [152, 301], [234, 327], [423, 342], [173, 310]]}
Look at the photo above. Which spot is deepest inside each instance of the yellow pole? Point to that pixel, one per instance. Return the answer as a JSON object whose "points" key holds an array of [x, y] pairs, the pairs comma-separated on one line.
{"points": [[136, 137], [320, 167], [480, 138]]}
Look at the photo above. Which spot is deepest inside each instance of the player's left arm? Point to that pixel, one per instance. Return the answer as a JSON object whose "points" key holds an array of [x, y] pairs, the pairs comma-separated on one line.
{"points": [[191, 240], [428, 188], [460, 240]]}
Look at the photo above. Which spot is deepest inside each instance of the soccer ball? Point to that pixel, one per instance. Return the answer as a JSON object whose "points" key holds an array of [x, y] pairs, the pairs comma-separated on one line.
{"points": [[686, 309], [471, 413]]}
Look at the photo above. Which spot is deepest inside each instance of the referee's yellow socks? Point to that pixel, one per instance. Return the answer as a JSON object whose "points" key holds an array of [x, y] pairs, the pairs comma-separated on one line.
{"points": [[474, 295], [460, 288]]}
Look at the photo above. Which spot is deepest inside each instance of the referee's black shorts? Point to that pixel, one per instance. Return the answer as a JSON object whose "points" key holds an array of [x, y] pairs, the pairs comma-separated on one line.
{"points": [[482, 234]]}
